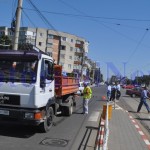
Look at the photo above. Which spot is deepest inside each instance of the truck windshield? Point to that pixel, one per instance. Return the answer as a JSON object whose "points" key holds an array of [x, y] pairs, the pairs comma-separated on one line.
{"points": [[18, 71]]}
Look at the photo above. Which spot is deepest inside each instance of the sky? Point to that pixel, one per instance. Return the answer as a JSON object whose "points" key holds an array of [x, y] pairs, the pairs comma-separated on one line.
{"points": [[118, 31]]}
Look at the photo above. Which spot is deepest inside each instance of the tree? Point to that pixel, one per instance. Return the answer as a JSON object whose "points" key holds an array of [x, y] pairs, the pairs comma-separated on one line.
{"points": [[5, 42]]}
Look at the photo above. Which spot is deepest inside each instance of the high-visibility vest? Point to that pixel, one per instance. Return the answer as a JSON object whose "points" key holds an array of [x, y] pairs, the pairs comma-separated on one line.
{"points": [[87, 93]]}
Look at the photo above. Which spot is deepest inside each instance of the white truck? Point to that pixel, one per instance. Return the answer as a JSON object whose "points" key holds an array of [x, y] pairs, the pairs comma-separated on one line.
{"points": [[33, 90]]}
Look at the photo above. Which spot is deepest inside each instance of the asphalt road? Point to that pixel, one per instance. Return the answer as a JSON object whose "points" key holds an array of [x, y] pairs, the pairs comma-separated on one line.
{"points": [[76, 132]]}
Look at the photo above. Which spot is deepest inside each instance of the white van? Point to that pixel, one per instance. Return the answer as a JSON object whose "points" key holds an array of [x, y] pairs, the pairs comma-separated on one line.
{"points": [[81, 88]]}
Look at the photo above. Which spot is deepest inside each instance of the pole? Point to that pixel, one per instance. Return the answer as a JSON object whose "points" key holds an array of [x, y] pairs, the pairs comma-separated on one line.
{"points": [[82, 63], [17, 27]]}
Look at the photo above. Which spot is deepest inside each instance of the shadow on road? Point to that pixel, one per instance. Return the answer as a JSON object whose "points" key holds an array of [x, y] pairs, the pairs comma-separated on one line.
{"points": [[85, 142], [16, 130]]}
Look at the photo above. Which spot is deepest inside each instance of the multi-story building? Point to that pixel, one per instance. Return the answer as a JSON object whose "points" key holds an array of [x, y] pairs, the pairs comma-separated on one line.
{"points": [[67, 50]]}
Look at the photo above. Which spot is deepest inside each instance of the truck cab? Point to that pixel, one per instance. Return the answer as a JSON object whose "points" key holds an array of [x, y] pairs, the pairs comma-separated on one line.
{"points": [[33, 89], [27, 87]]}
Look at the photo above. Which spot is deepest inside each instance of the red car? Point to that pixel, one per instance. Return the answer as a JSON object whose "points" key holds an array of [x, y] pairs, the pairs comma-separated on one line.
{"points": [[135, 92], [129, 86]]}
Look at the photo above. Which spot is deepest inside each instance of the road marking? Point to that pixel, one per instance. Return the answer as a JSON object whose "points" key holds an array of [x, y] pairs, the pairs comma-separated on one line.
{"points": [[94, 116], [147, 142], [143, 136], [141, 133], [137, 126]]}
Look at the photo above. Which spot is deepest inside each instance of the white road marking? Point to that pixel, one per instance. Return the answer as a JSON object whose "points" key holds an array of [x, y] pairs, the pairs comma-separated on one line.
{"points": [[137, 126], [147, 142], [94, 116], [141, 133]]}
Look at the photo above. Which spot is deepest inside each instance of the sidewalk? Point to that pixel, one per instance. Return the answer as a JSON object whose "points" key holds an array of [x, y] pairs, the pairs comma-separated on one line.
{"points": [[124, 132]]}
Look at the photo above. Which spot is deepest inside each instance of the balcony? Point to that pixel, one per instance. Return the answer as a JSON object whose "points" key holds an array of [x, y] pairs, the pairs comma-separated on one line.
{"points": [[77, 62], [79, 45], [79, 54]]}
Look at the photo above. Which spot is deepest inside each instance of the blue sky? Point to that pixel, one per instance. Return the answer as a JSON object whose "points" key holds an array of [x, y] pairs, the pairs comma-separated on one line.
{"points": [[118, 30]]}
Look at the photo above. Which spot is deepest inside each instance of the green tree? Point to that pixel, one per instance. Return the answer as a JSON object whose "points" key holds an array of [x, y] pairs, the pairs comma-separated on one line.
{"points": [[5, 42]]}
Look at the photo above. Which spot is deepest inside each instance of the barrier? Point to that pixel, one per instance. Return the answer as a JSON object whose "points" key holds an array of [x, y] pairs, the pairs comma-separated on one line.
{"points": [[100, 136], [103, 132], [105, 110]]}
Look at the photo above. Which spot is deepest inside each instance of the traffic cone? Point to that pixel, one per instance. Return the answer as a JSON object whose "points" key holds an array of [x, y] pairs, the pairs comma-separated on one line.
{"points": [[103, 97]]}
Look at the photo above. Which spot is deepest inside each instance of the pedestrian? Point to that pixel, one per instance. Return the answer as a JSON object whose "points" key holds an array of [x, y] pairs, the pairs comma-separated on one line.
{"points": [[108, 92], [113, 92], [143, 100], [87, 94], [118, 92]]}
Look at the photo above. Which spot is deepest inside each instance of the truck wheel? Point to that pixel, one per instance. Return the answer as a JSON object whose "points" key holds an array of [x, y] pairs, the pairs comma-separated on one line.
{"points": [[48, 122]]}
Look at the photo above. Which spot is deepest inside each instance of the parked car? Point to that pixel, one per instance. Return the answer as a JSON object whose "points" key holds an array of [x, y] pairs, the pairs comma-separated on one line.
{"points": [[129, 86], [135, 92], [81, 88]]}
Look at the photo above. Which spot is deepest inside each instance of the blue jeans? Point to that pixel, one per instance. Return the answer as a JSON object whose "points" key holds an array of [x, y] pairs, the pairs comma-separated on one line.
{"points": [[143, 101]]}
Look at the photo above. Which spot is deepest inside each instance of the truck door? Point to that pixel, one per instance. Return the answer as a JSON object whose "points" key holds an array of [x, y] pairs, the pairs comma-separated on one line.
{"points": [[47, 80]]}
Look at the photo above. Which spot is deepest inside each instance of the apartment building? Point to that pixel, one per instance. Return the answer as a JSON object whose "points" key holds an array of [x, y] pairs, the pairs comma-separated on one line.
{"points": [[67, 50]]}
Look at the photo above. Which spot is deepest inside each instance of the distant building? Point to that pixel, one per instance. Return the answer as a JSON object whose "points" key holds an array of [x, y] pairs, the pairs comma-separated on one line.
{"points": [[67, 50]]}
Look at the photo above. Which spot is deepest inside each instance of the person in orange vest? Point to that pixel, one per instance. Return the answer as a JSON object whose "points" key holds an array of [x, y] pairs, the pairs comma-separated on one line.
{"points": [[87, 94]]}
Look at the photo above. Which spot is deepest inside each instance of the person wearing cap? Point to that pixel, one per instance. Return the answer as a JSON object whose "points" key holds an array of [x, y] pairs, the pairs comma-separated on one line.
{"points": [[143, 100], [87, 94]]}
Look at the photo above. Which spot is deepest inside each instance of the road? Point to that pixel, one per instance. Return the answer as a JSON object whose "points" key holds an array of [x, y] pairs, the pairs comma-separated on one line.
{"points": [[76, 132], [69, 133]]}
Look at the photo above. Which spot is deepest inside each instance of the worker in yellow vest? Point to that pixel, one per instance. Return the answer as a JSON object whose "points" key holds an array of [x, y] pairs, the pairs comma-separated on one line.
{"points": [[87, 94]]}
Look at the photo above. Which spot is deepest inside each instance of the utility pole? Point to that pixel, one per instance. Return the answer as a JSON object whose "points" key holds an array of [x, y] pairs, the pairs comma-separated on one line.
{"points": [[17, 26], [82, 63]]}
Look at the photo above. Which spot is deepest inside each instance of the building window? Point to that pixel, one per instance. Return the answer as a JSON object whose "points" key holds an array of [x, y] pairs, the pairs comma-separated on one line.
{"points": [[62, 64], [78, 42], [70, 57], [69, 66], [49, 44], [40, 43], [71, 49], [72, 40], [41, 34], [78, 50], [62, 55], [10, 33], [63, 38], [63, 47], [50, 36]]}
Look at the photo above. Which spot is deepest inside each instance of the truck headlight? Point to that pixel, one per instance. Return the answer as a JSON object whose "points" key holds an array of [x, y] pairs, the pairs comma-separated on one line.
{"points": [[29, 115]]}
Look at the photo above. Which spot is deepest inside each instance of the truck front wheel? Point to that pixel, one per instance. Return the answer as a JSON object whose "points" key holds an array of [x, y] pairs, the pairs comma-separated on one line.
{"points": [[48, 122]]}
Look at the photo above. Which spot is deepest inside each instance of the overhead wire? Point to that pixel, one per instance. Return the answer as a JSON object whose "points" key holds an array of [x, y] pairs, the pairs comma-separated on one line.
{"points": [[138, 44]]}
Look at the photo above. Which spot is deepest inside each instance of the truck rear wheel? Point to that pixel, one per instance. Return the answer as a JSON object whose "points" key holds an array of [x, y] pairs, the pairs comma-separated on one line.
{"points": [[48, 122]]}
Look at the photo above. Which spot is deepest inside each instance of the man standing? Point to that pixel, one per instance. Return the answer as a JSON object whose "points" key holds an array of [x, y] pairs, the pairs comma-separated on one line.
{"points": [[118, 93], [143, 100], [87, 94], [108, 92]]}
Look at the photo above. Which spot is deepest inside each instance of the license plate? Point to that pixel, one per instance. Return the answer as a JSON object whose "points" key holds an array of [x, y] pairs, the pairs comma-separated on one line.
{"points": [[4, 112]]}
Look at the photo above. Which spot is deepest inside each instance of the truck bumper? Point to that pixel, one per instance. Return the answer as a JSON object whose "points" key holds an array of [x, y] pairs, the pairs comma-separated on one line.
{"points": [[18, 116]]}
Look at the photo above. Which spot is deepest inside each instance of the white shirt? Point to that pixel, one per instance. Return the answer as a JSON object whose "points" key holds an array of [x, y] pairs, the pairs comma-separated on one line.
{"points": [[109, 88], [118, 87]]}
